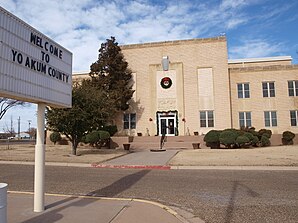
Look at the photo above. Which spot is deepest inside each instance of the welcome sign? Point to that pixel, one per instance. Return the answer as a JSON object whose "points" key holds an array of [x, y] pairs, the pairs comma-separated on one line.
{"points": [[33, 67]]}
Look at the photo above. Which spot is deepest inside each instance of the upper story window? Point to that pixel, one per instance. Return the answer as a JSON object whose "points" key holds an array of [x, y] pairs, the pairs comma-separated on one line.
{"points": [[268, 89], [243, 90], [293, 117], [206, 119], [244, 119], [270, 118], [129, 121], [293, 88]]}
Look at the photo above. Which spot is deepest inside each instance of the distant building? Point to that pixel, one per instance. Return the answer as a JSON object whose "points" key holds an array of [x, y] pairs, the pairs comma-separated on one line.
{"points": [[188, 86]]}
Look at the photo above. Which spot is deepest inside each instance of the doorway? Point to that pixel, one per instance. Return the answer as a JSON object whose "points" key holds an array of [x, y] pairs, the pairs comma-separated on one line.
{"points": [[167, 123]]}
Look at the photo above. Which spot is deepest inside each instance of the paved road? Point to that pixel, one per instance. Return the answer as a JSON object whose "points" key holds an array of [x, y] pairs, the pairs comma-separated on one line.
{"points": [[214, 195]]}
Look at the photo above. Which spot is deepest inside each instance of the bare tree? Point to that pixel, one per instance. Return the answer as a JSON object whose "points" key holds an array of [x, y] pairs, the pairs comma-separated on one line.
{"points": [[6, 104]]}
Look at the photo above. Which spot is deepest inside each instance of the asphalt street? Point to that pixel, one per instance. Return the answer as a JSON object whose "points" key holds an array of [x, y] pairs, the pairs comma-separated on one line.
{"points": [[213, 195]]}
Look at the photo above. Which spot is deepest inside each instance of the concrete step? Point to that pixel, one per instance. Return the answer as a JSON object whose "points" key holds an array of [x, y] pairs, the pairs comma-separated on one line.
{"points": [[153, 142]]}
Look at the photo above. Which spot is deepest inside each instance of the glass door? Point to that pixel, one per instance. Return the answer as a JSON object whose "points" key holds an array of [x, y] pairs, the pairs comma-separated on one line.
{"points": [[167, 125]]}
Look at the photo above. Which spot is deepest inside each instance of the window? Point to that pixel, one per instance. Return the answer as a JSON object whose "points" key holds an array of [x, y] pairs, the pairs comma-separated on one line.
{"points": [[244, 119], [268, 89], [293, 117], [293, 88], [243, 90], [270, 118], [129, 121], [206, 119]]}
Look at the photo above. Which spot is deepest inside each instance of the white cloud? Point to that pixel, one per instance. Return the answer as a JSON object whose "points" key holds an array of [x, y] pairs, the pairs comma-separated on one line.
{"points": [[255, 48], [81, 25]]}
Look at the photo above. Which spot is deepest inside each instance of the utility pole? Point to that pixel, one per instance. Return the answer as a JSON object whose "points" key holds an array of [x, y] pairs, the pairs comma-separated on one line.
{"points": [[11, 126], [29, 122], [19, 127]]}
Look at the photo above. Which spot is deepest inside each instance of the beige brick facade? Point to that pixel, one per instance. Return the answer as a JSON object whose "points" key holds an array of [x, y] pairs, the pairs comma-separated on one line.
{"points": [[203, 80]]}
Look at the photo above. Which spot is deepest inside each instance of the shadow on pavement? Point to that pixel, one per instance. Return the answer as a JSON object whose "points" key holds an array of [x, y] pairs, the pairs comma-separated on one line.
{"points": [[232, 201], [50, 216], [120, 185]]}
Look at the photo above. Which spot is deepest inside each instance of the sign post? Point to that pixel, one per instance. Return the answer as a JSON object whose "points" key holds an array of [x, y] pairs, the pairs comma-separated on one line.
{"points": [[39, 170]]}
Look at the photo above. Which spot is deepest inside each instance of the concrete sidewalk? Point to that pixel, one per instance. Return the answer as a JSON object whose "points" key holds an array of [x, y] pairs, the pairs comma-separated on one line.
{"points": [[142, 159], [61, 208]]}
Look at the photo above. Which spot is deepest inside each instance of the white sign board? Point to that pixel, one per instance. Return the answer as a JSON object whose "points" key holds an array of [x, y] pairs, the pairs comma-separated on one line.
{"points": [[33, 67]]}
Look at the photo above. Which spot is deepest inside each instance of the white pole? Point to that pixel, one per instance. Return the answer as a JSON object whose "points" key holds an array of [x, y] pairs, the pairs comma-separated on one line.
{"points": [[3, 202], [39, 172]]}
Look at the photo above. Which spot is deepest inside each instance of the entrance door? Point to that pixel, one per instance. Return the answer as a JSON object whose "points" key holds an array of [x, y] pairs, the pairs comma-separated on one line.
{"points": [[167, 124]]}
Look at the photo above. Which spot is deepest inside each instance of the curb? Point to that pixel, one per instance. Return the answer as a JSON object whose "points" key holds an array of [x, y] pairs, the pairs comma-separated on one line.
{"points": [[272, 168], [153, 167], [164, 207], [159, 167]]}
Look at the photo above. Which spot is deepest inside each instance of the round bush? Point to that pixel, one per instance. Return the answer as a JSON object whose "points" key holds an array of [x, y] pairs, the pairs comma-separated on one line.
{"points": [[98, 138], [212, 139], [55, 137], [103, 135], [287, 135], [228, 137], [255, 141], [242, 141], [268, 133], [287, 138], [265, 141], [112, 129], [212, 136], [249, 135], [92, 137]]}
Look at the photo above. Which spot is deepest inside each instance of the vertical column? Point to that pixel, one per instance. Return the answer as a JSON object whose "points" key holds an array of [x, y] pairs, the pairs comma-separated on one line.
{"points": [[39, 172], [3, 202]]}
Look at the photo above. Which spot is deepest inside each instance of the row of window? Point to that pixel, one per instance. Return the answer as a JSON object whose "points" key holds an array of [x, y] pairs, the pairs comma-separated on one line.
{"points": [[270, 119], [268, 89], [207, 119]]}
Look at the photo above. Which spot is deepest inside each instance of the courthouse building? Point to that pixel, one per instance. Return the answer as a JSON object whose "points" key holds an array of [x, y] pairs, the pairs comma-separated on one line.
{"points": [[186, 87]]}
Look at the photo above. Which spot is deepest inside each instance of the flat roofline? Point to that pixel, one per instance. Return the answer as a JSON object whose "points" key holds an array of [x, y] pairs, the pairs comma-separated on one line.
{"points": [[174, 42], [80, 73], [261, 59]]}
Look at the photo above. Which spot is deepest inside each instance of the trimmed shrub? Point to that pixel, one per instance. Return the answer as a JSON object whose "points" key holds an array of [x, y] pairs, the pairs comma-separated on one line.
{"points": [[98, 138], [268, 133], [212, 139], [228, 137], [55, 137], [63, 141], [243, 141], [255, 142], [287, 138], [249, 135], [92, 137], [111, 129], [265, 141]]}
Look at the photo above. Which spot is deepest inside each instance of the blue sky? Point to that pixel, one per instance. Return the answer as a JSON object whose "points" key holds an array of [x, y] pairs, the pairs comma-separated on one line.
{"points": [[254, 28]]}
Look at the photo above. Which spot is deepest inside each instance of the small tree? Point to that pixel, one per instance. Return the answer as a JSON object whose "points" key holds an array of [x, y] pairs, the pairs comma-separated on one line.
{"points": [[73, 122], [111, 73], [6, 104], [55, 137]]}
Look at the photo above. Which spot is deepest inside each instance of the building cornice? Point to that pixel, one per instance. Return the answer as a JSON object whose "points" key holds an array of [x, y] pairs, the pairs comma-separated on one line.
{"points": [[261, 59], [174, 42], [264, 68]]}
